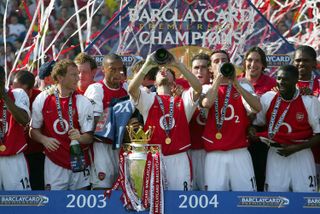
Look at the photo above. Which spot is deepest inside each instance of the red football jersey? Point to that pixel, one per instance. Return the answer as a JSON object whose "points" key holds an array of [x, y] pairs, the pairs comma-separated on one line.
{"points": [[308, 84], [196, 127], [14, 139], [300, 122], [109, 93], [45, 117], [234, 128], [33, 146], [316, 90], [179, 132]]}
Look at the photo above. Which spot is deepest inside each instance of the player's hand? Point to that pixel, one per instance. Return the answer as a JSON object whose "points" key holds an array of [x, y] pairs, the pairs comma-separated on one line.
{"points": [[252, 134], [234, 79], [218, 76], [135, 123], [150, 62], [177, 90], [74, 134], [174, 63], [51, 144], [275, 89], [287, 150]]}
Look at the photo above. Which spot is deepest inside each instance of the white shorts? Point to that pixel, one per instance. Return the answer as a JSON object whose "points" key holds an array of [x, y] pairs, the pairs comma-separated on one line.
{"points": [[106, 165], [14, 174], [318, 175], [229, 170], [177, 171], [295, 173], [59, 178], [197, 159]]}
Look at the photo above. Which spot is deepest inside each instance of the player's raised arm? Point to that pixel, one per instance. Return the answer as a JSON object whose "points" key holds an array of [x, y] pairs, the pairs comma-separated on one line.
{"points": [[137, 80], [192, 79]]}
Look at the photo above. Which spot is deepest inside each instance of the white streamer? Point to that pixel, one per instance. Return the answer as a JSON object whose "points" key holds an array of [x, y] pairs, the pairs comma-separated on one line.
{"points": [[5, 39], [25, 40], [79, 24]]}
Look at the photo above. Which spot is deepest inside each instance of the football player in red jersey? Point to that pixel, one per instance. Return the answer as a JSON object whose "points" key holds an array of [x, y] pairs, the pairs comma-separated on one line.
{"points": [[106, 160], [293, 127], [59, 115], [228, 164], [170, 116], [200, 64], [15, 115]]}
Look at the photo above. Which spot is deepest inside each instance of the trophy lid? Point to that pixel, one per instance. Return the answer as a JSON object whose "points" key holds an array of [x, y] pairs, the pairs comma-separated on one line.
{"points": [[140, 136]]}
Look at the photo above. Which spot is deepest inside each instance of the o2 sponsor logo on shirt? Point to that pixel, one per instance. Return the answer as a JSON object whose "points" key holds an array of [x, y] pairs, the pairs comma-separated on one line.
{"points": [[164, 119], [55, 127]]}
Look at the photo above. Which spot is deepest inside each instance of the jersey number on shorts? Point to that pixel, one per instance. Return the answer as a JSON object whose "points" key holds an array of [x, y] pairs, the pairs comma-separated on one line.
{"points": [[86, 172], [253, 182], [313, 181], [25, 183]]}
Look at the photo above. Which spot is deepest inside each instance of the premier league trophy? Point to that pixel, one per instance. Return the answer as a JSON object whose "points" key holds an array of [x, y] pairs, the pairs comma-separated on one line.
{"points": [[140, 177]]}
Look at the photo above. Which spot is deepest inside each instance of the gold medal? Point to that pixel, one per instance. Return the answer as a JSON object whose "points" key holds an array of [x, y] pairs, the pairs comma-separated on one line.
{"points": [[3, 148], [218, 135], [168, 140]]}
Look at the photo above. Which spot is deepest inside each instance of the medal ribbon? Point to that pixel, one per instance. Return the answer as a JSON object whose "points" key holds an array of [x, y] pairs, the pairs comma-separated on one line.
{"points": [[203, 113], [56, 94], [171, 112], [219, 123], [272, 131], [311, 83]]}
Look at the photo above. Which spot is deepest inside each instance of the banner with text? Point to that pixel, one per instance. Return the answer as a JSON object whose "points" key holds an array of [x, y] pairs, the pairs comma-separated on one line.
{"points": [[87, 202], [187, 27]]}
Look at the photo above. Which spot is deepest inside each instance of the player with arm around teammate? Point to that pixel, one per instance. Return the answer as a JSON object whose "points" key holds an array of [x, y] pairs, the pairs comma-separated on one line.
{"points": [[292, 128], [15, 115]]}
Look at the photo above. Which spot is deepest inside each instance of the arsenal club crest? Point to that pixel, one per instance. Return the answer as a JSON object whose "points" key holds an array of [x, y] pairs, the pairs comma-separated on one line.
{"points": [[101, 176], [299, 116], [236, 95], [190, 2]]}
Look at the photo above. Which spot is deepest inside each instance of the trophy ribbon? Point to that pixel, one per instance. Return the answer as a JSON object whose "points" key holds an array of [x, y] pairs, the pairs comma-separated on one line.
{"points": [[119, 182], [147, 180], [157, 202]]}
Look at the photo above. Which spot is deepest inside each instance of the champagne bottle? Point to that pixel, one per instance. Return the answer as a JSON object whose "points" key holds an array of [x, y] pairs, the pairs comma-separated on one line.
{"points": [[77, 160]]}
